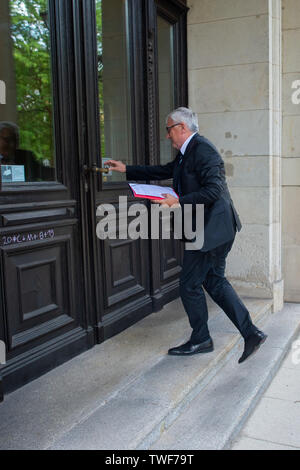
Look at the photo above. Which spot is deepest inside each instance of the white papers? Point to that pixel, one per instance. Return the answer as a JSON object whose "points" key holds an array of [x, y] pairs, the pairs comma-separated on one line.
{"points": [[151, 191]]}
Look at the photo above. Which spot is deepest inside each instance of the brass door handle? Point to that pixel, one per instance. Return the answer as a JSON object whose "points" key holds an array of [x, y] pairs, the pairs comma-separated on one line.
{"points": [[95, 169]]}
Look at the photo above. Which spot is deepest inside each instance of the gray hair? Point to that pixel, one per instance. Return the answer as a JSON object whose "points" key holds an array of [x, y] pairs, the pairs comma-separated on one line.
{"points": [[13, 127], [187, 116]]}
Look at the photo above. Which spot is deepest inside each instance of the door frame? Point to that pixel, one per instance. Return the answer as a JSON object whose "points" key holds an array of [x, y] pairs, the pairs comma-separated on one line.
{"points": [[75, 194], [144, 111], [38, 347]]}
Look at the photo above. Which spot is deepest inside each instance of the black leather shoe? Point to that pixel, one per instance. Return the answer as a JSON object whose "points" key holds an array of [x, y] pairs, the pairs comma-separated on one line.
{"points": [[252, 343], [188, 349]]}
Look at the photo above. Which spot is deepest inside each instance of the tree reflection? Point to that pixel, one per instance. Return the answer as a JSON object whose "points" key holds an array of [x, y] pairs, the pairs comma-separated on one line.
{"points": [[100, 71], [31, 48]]}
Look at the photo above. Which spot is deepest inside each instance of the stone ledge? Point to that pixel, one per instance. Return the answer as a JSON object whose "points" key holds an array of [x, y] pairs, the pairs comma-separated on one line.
{"points": [[215, 417], [120, 393]]}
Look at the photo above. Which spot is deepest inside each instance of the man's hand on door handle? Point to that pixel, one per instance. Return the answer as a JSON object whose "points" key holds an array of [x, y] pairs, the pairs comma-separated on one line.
{"points": [[116, 166]]}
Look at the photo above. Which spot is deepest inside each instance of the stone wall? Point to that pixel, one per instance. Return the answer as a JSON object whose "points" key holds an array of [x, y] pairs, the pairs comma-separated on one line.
{"points": [[291, 150], [234, 71]]}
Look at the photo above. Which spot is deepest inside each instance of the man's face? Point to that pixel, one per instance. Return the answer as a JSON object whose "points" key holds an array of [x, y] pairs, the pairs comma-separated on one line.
{"points": [[176, 133], [7, 142]]}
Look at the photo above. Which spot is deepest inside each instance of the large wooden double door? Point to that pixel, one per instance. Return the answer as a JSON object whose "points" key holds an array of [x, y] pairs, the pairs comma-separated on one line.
{"points": [[116, 68]]}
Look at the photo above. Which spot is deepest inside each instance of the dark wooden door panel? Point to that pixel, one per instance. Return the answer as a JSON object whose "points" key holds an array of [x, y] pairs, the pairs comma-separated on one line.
{"points": [[41, 293], [124, 268], [171, 257]]}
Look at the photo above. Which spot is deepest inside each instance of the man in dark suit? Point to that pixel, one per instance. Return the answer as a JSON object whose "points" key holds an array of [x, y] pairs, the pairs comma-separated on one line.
{"points": [[199, 178]]}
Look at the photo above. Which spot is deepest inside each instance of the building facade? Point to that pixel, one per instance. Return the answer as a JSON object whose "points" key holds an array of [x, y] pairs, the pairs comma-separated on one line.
{"points": [[244, 83], [86, 80]]}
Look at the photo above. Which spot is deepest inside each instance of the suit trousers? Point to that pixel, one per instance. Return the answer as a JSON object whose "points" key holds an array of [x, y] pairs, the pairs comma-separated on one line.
{"points": [[207, 269]]}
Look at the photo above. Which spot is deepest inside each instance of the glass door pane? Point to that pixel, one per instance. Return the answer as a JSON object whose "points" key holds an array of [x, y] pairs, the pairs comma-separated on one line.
{"points": [[165, 83], [26, 124], [113, 84]]}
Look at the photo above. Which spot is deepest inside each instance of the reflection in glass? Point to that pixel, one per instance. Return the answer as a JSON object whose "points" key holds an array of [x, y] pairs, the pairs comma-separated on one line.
{"points": [[26, 131], [113, 84], [165, 84]]}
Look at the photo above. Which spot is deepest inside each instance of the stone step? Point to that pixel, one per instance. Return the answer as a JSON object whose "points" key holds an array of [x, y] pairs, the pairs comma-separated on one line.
{"points": [[123, 392], [215, 416], [136, 416]]}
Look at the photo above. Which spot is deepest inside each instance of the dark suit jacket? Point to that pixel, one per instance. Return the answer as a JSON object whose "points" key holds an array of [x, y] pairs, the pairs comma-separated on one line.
{"points": [[202, 181]]}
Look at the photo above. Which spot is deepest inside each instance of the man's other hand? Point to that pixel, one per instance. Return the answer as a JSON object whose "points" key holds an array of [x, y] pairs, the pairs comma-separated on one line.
{"points": [[116, 165], [167, 201]]}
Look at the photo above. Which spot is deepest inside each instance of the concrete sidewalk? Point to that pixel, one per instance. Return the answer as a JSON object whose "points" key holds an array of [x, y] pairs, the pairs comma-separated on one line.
{"points": [[275, 422], [216, 416], [127, 393]]}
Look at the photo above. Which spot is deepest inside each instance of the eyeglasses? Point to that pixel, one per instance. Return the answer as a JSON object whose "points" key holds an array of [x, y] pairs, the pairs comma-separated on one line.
{"points": [[170, 127]]}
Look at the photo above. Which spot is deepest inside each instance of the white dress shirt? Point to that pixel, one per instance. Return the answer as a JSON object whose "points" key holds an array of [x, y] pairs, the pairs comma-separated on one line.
{"points": [[186, 143]]}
